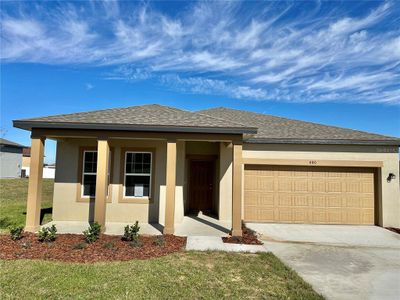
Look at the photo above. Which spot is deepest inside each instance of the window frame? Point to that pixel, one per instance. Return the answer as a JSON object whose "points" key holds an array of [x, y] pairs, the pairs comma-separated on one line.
{"points": [[125, 174], [85, 173], [80, 197], [153, 191]]}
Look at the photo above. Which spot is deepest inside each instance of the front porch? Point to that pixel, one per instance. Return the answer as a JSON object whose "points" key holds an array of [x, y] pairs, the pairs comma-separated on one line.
{"points": [[200, 225]]}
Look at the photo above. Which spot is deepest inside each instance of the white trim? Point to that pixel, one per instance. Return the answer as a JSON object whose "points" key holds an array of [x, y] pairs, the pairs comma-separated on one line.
{"points": [[138, 174], [86, 173]]}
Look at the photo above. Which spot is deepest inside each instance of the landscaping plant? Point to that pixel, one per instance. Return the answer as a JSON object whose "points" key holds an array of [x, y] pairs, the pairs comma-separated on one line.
{"points": [[79, 246], [159, 241], [92, 233], [131, 232], [136, 243], [108, 245], [48, 234], [16, 232]]}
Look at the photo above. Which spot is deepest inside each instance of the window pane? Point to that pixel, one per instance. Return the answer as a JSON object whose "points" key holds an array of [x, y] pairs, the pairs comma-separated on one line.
{"points": [[89, 185], [90, 163], [146, 158], [139, 163], [137, 186], [146, 168]]}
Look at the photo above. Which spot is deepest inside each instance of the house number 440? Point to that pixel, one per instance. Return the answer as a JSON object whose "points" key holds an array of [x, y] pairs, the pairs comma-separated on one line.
{"points": [[312, 162]]}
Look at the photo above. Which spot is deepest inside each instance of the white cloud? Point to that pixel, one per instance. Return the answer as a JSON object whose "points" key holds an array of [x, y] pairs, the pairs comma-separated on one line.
{"points": [[89, 86], [261, 52], [199, 85]]}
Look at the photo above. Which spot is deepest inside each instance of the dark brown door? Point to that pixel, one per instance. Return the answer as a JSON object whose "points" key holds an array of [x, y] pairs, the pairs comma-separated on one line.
{"points": [[201, 186]]}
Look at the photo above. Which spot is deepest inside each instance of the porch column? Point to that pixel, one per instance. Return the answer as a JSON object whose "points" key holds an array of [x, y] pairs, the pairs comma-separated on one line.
{"points": [[35, 184], [237, 189], [170, 188], [103, 152]]}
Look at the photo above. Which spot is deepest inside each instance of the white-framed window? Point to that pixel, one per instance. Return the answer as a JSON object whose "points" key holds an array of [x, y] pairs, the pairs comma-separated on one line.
{"points": [[137, 174], [89, 170]]}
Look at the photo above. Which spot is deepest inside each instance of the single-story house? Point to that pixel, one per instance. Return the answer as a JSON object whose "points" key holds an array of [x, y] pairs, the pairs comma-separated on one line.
{"points": [[154, 163], [10, 159]]}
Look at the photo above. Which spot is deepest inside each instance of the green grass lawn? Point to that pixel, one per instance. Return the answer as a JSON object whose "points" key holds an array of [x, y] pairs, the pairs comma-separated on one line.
{"points": [[13, 194], [186, 275]]}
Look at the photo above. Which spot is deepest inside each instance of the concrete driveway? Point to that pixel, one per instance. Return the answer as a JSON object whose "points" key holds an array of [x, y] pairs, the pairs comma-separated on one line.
{"points": [[340, 262]]}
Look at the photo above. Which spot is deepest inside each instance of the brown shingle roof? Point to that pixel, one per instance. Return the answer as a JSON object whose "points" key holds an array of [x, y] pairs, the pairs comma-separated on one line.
{"points": [[273, 129], [257, 128], [142, 118]]}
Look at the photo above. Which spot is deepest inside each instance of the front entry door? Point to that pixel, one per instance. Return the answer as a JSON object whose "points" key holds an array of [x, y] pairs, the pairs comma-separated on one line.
{"points": [[201, 186]]}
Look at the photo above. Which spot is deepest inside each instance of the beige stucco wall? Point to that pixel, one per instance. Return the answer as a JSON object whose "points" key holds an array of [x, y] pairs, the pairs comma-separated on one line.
{"points": [[390, 212], [225, 182], [66, 207]]}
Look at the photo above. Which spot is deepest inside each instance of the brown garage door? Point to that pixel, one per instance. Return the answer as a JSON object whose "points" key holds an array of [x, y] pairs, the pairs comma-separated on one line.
{"points": [[315, 195]]}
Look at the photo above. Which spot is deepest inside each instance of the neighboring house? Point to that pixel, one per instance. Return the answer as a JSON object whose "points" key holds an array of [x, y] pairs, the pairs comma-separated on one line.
{"points": [[155, 164], [26, 161], [10, 159], [49, 171]]}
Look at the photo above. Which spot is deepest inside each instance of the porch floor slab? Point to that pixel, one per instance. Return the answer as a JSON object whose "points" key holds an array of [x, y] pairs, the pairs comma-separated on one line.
{"points": [[112, 228], [202, 225]]}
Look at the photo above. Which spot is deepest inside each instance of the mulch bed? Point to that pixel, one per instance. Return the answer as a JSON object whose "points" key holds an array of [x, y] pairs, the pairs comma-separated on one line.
{"points": [[249, 237], [396, 230], [106, 248]]}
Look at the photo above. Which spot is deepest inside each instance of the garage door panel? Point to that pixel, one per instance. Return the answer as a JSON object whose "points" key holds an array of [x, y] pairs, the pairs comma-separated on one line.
{"points": [[300, 200], [352, 201], [318, 201], [333, 201], [314, 195], [334, 186], [300, 185], [318, 185], [367, 216]]}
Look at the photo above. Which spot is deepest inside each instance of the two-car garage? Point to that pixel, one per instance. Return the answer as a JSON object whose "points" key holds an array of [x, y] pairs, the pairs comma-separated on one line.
{"points": [[309, 194]]}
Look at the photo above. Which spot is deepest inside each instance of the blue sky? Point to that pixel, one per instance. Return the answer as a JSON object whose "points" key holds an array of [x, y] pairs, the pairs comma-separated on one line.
{"points": [[336, 63]]}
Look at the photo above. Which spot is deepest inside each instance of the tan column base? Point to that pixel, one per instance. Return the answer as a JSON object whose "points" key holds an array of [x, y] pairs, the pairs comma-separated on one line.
{"points": [[32, 229], [168, 230], [237, 232]]}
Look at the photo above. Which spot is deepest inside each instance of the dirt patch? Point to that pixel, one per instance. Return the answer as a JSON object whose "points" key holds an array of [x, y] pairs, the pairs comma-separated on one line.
{"points": [[396, 230], [249, 237], [72, 248]]}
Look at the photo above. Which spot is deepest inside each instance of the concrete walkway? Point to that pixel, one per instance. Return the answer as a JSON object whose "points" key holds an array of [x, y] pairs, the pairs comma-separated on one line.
{"points": [[340, 262], [206, 243]]}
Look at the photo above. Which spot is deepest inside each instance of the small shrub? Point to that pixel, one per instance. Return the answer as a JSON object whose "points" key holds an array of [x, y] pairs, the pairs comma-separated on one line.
{"points": [[136, 243], [131, 232], [80, 245], [92, 233], [159, 241], [16, 232], [26, 244], [47, 234], [108, 245]]}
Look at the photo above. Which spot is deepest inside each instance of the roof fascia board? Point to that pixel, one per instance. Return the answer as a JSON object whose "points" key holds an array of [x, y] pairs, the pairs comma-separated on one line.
{"points": [[28, 125]]}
